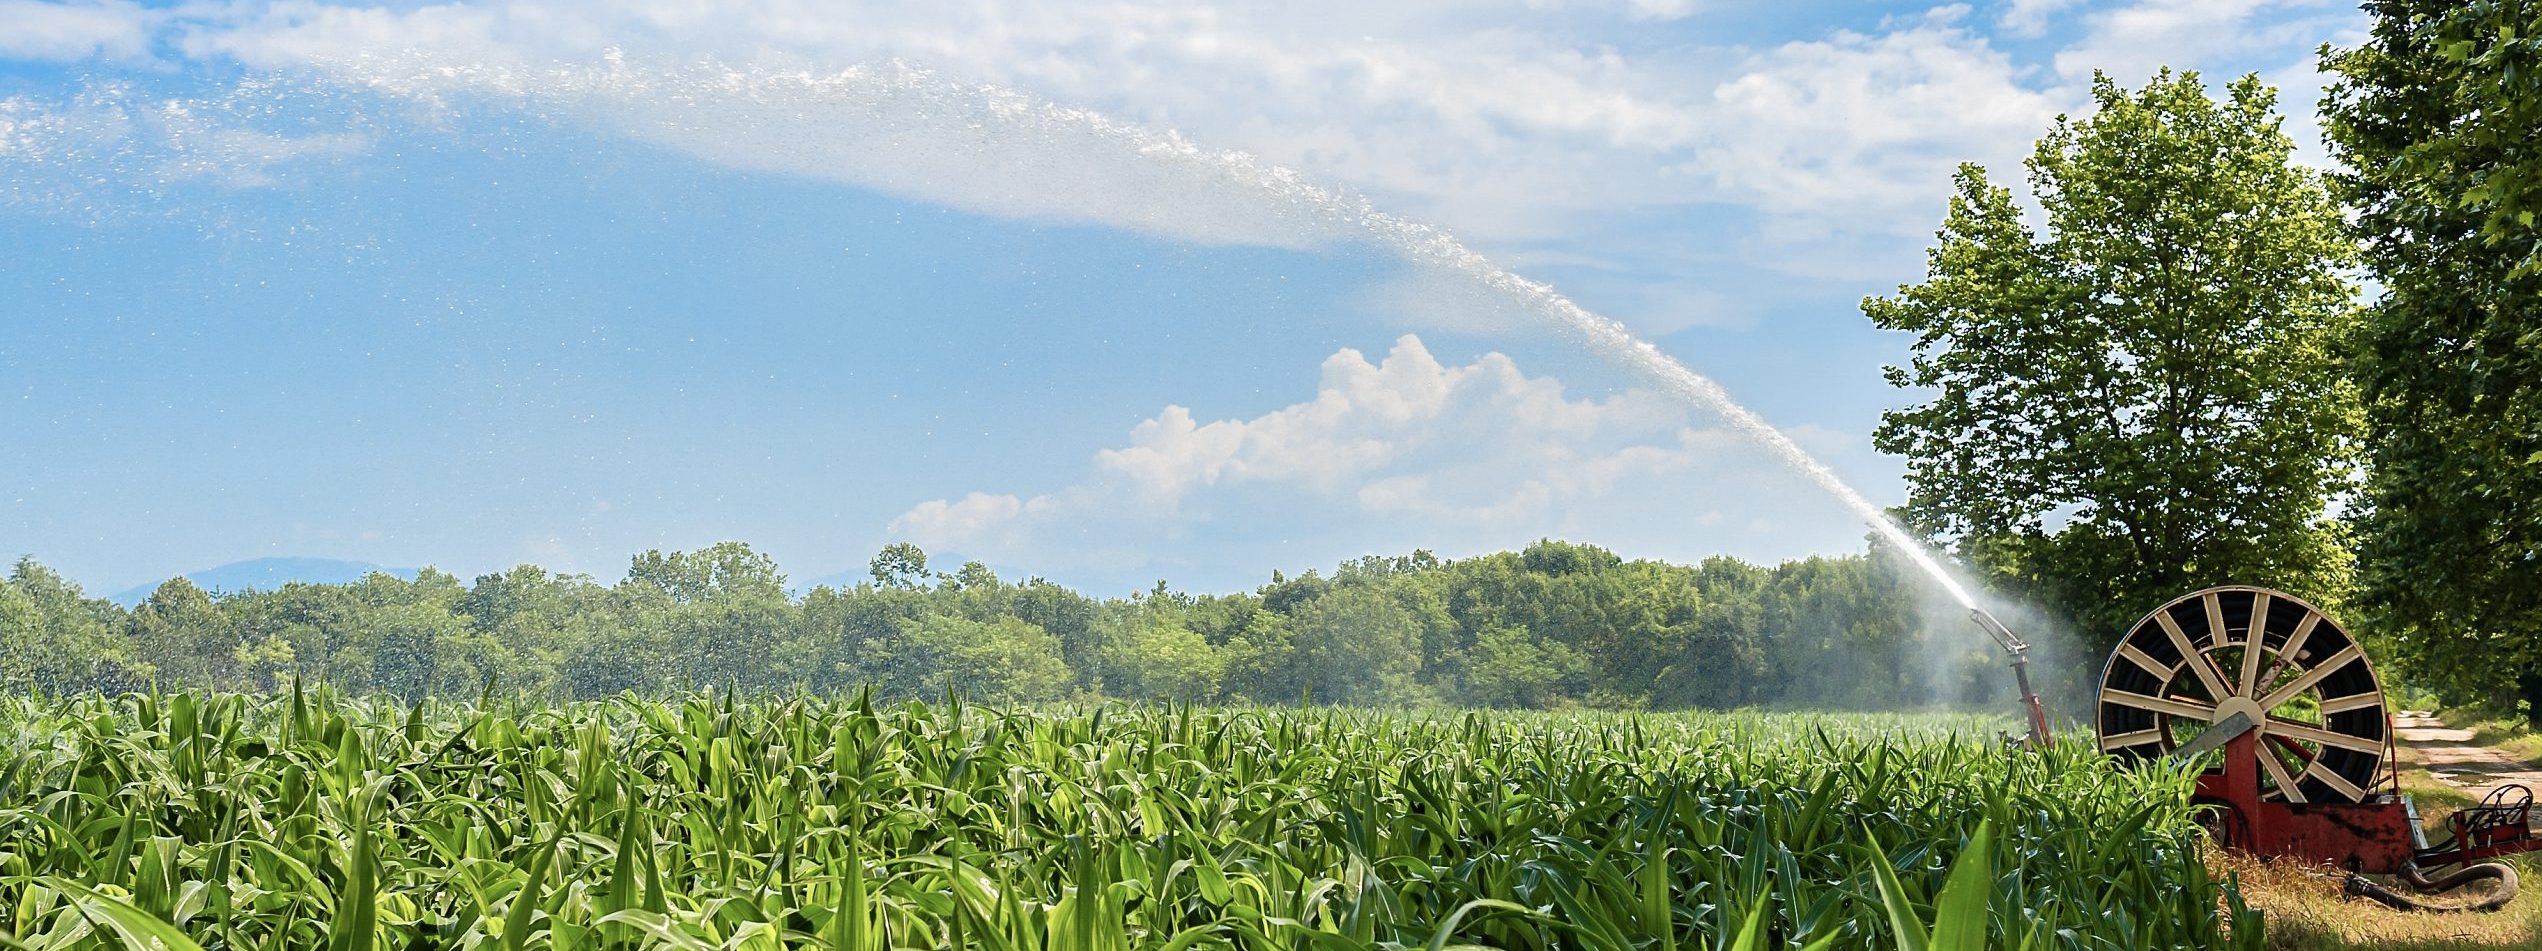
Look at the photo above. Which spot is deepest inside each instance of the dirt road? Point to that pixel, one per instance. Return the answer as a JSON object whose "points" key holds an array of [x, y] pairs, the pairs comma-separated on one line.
{"points": [[2448, 755]]}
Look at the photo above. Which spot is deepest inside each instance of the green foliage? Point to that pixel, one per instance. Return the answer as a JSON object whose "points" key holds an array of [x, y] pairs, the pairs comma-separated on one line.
{"points": [[1557, 625], [1153, 655], [309, 820], [1000, 661], [54, 638], [1356, 645], [189, 640], [900, 565], [2435, 116], [2150, 396], [726, 571], [1509, 667]]}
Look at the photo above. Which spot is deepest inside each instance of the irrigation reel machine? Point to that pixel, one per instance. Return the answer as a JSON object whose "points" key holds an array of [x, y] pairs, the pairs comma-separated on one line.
{"points": [[2308, 767]]}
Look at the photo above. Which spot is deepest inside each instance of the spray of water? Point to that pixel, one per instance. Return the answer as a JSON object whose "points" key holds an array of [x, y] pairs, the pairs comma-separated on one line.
{"points": [[904, 129], [1611, 339]]}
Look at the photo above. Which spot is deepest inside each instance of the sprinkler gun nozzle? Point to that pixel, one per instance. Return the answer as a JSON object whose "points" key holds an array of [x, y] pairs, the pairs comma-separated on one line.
{"points": [[2036, 712], [2012, 643]]}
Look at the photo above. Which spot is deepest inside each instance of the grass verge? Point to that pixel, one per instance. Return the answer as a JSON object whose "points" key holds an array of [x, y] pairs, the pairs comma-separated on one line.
{"points": [[2512, 737]]}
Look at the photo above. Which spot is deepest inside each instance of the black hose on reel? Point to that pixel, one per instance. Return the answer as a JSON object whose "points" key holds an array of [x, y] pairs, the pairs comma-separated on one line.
{"points": [[2498, 897]]}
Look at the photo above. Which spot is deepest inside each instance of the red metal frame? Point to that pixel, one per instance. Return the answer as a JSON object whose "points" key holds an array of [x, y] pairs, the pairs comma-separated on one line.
{"points": [[2371, 836], [2380, 835]]}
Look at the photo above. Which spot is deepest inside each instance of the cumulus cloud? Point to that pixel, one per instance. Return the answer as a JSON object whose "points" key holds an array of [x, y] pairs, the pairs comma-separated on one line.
{"points": [[2275, 38], [973, 516], [2027, 18], [2300, 88], [114, 29], [1871, 125], [1480, 447]]}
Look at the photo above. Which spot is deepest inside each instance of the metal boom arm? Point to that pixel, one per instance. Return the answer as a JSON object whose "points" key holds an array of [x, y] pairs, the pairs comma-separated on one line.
{"points": [[2020, 650]]}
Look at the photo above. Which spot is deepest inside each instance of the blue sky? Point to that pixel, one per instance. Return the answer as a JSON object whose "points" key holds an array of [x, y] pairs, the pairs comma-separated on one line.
{"points": [[481, 283]]}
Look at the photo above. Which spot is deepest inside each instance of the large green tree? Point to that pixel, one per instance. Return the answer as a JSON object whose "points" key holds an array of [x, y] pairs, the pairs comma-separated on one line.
{"points": [[1355, 644], [53, 637], [2435, 117], [1152, 655], [1001, 661], [2148, 396], [183, 635], [722, 610]]}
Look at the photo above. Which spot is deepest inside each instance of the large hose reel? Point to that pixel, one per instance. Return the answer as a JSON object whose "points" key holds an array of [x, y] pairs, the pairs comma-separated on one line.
{"points": [[2289, 699], [2235, 660]]}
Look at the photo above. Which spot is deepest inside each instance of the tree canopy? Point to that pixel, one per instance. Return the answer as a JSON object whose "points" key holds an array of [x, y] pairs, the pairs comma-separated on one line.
{"points": [[2149, 395], [2434, 116]]}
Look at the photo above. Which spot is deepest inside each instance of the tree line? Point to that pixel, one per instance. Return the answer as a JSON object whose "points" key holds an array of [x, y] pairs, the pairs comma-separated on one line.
{"points": [[1554, 625], [2190, 360]]}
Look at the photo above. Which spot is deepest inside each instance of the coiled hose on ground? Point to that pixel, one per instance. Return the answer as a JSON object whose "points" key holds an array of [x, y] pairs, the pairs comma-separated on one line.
{"points": [[2498, 896]]}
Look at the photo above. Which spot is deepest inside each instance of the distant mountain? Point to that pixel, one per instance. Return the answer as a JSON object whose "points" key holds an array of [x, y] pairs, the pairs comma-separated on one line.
{"points": [[266, 574]]}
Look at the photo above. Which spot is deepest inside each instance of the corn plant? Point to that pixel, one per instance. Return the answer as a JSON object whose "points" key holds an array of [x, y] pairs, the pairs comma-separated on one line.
{"points": [[311, 820]]}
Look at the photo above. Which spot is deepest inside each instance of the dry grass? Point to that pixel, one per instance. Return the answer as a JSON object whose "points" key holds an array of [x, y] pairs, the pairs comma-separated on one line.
{"points": [[2307, 910]]}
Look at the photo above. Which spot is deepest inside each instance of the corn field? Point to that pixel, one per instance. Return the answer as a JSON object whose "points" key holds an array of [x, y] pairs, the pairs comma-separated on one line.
{"points": [[318, 821]]}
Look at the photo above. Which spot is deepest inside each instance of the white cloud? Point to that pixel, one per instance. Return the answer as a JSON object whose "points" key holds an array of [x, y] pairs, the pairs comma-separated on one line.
{"points": [[2223, 39], [1480, 446], [2030, 17], [2300, 86], [1506, 122], [1464, 457], [2131, 41], [1861, 130], [1633, 9], [974, 515], [113, 29], [1526, 126]]}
